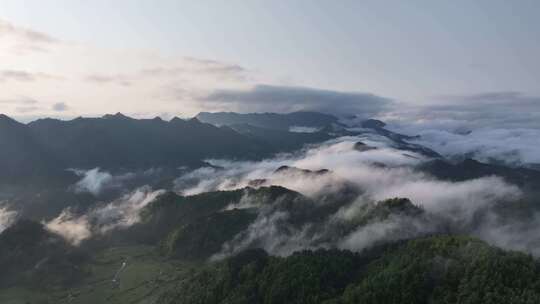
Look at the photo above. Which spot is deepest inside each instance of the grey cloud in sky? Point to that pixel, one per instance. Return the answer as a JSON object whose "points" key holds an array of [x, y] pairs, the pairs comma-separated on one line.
{"points": [[6, 28], [16, 75], [188, 68], [118, 79], [268, 98], [225, 71], [162, 71], [19, 101], [20, 40], [25, 76], [26, 109], [60, 107], [214, 64], [192, 66], [22, 104], [26, 105]]}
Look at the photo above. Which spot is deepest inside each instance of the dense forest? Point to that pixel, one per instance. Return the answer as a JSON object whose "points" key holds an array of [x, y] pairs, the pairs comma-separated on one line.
{"points": [[438, 269]]}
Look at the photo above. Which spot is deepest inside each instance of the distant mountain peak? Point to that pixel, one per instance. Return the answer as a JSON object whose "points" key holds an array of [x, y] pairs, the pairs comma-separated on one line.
{"points": [[177, 121], [6, 120], [116, 116], [5, 117]]}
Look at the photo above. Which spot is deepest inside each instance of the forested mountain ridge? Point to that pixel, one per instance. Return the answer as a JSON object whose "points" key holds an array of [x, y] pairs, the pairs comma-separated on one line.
{"points": [[439, 269]]}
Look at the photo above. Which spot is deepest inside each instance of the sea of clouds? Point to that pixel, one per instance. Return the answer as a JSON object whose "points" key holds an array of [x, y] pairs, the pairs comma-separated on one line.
{"points": [[491, 127]]}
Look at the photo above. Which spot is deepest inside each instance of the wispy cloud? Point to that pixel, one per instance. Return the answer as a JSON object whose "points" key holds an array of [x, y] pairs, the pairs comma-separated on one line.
{"points": [[7, 28], [448, 206], [120, 213], [194, 66], [21, 100], [21, 40], [118, 79], [27, 109], [25, 76], [7, 217]]}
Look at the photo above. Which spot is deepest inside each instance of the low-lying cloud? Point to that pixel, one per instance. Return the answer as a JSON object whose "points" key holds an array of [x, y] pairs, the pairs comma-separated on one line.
{"points": [[72, 228], [97, 181], [355, 181], [338, 155], [7, 217], [93, 181], [118, 214], [375, 175], [497, 126], [510, 146], [303, 129]]}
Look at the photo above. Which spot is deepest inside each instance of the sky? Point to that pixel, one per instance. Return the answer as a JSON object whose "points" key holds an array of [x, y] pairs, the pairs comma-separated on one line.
{"points": [[66, 58]]}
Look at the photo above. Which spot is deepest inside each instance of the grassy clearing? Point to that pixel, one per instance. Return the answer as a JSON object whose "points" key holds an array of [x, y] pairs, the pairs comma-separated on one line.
{"points": [[145, 276]]}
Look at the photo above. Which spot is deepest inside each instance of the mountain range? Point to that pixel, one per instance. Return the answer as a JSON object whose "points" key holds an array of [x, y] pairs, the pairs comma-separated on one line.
{"points": [[50, 146], [302, 207]]}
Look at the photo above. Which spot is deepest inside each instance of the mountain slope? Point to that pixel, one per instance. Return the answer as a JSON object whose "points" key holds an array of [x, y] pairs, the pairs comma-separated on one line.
{"points": [[281, 140], [470, 169], [172, 219], [273, 121], [120, 141], [443, 269], [20, 154]]}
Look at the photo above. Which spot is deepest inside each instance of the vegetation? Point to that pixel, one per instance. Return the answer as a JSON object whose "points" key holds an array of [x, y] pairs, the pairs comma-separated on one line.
{"points": [[180, 233], [174, 214], [205, 236], [442, 269]]}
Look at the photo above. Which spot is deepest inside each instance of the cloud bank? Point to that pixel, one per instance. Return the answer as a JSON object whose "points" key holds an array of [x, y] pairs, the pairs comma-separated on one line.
{"points": [[371, 176], [281, 99], [497, 126]]}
